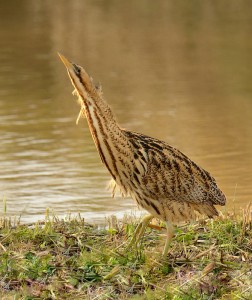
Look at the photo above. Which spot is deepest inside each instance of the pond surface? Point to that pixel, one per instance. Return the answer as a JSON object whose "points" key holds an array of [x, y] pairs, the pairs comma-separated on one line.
{"points": [[180, 71]]}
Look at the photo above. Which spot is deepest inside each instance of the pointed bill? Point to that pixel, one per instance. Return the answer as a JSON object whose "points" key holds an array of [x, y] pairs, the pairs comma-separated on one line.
{"points": [[66, 62]]}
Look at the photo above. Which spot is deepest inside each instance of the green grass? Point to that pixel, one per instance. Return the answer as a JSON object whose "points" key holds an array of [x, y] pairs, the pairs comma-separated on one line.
{"points": [[62, 259]]}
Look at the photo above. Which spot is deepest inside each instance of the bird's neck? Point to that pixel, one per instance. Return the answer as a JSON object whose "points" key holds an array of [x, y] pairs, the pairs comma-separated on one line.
{"points": [[110, 140]]}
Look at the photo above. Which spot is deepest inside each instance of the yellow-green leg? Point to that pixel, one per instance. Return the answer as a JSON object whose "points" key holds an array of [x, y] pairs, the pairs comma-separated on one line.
{"points": [[140, 230], [170, 232]]}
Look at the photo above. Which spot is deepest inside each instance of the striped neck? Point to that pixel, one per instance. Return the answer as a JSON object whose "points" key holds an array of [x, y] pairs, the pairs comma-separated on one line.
{"points": [[108, 137]]}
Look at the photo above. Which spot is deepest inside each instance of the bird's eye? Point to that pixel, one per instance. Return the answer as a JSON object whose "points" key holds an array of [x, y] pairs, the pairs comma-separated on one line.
{"points": [[77, 69]]}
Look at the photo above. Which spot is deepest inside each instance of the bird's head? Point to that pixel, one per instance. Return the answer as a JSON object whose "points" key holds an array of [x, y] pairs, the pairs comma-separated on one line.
{"points": [[74, 71], [81, 81]]}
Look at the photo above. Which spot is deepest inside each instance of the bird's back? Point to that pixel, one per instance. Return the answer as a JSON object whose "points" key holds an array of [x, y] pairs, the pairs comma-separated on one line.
{"points": [[172, 186]]}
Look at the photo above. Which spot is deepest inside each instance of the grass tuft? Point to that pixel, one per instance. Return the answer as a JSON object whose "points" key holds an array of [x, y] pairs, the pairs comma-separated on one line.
{"points": [[59, 259]]}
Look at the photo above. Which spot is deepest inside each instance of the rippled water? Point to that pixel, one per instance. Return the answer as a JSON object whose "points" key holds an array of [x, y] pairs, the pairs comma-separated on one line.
{"points": [[180, 71]]}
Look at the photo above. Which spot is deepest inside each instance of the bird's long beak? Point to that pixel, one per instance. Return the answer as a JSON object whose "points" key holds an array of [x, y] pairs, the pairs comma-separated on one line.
{"points": [[66, 62]]}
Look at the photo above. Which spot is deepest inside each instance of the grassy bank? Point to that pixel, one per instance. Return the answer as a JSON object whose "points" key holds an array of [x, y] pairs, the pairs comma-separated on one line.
{"points": [[62, 259]]}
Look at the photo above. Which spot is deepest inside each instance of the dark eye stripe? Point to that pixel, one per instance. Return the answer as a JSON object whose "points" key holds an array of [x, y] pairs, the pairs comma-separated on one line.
{"points": [[76, 70]]}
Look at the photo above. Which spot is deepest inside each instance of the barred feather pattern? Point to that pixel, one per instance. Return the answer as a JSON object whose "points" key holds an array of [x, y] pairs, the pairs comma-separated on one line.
{"points": [[173, 187]]}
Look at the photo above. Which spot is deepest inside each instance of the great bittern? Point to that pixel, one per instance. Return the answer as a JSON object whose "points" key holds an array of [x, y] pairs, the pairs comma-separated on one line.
{"points": [[160, 178]]}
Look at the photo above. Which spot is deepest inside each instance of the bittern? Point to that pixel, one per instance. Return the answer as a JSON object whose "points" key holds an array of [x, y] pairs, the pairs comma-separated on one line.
{"points": [[160, 178]]}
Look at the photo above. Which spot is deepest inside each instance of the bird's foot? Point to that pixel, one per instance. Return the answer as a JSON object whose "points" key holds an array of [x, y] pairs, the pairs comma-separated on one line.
{"points": [[140, 230]]}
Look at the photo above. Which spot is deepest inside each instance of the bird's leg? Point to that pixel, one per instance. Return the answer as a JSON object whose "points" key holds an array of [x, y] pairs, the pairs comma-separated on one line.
{"points": [[170, 232], [140, 230]]}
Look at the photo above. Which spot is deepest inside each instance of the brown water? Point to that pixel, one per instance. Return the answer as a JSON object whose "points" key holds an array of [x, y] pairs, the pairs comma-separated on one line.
{"points": [[180, 71]]}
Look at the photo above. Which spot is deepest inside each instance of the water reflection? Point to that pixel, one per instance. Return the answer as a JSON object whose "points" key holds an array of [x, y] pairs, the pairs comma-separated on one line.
{"points": [[179, 71]]}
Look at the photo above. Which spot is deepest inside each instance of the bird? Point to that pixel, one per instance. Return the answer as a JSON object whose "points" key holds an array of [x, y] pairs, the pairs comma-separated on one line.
{"points": [[160, 178]]}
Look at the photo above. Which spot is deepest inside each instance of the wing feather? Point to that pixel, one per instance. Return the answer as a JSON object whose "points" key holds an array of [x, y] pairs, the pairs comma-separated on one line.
{"points": [[173, 176]]}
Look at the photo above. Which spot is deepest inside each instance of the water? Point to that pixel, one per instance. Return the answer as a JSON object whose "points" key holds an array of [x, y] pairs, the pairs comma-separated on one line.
{"points": [[180, 71]]}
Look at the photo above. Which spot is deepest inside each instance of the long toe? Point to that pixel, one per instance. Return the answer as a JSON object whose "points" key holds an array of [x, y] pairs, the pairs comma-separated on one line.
{"points": [[139, 232], [170, 233]]}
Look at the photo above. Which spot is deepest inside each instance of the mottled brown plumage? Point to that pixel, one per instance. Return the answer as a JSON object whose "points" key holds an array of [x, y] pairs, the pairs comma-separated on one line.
{"points": [[157, 176]]}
